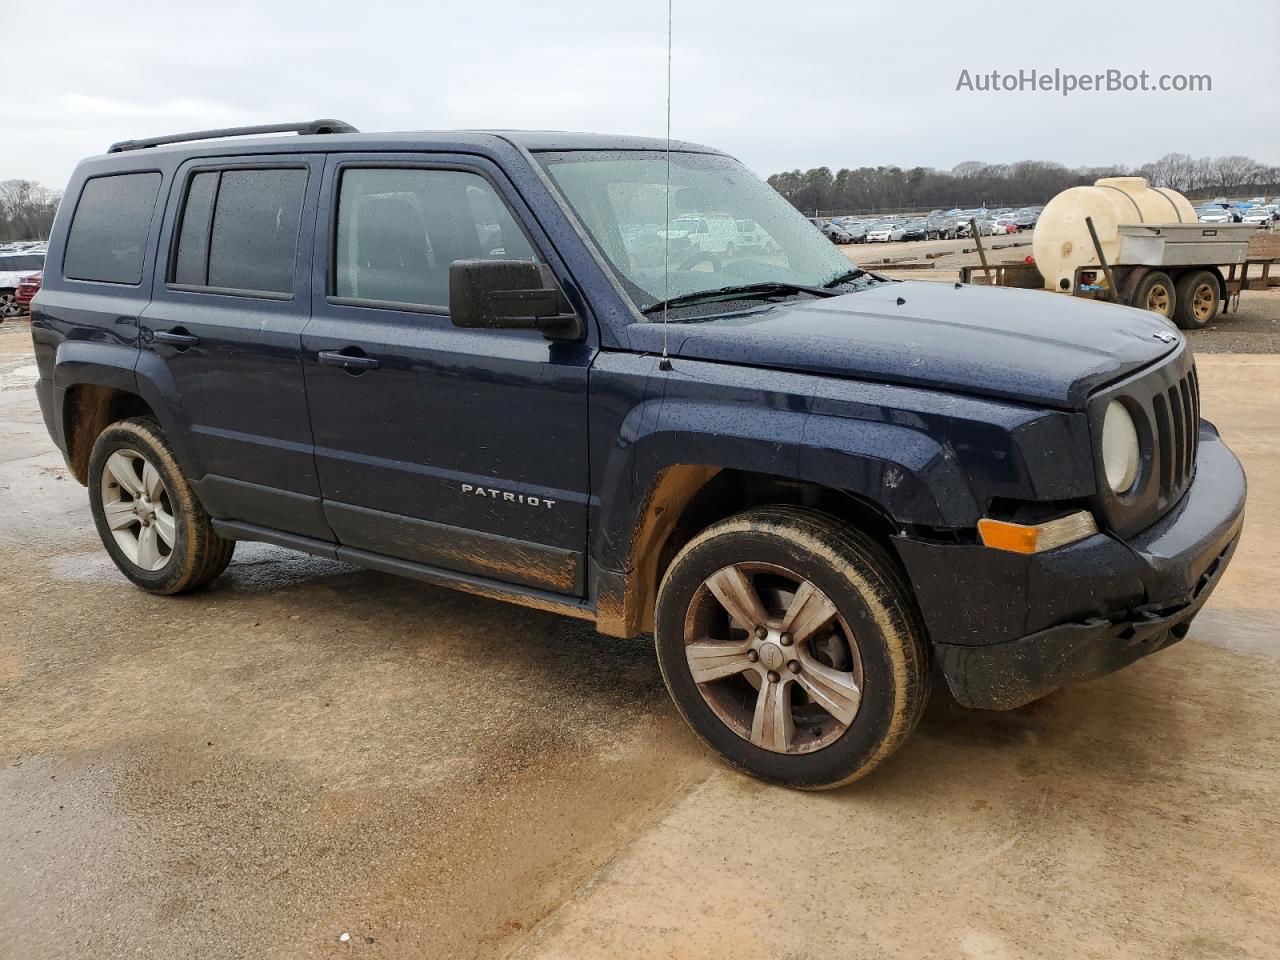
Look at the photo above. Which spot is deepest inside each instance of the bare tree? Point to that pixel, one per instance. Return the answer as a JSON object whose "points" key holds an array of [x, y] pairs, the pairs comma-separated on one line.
{"points": [[888, 189], [26, 210]]}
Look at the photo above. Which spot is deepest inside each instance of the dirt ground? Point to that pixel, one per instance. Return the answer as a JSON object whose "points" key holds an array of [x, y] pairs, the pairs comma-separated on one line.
{"points": [[307, 750]]}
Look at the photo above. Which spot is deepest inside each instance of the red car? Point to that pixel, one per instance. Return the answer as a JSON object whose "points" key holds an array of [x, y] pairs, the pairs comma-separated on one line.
{"points": [[27, 288]]}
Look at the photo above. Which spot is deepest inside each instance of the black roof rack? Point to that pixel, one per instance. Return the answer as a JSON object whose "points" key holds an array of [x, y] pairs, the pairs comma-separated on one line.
{"points": [[309, 128]]}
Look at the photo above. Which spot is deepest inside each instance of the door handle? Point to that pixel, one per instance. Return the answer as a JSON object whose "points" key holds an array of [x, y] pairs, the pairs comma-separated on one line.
{"points": [[176, 337], [348, 361]]}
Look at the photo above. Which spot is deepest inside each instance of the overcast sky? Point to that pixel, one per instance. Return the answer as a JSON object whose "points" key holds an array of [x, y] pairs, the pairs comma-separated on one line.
{"points": [[780, 85]]}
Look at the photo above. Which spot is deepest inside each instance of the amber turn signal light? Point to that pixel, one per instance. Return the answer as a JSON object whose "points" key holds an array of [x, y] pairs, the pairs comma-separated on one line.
{"points": [[1038, 537]]}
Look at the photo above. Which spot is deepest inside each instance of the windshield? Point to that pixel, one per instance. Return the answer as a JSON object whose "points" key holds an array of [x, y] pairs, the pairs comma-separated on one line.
{"points": [[621, 200]]}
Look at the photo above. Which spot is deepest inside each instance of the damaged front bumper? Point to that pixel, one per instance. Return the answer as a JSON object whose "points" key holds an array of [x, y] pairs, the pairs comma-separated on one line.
{"points": [[1007, 628]]}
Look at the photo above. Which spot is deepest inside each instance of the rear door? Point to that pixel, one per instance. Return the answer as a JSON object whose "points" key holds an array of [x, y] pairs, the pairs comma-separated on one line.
{"points": [[455, 448], [230, 299]]}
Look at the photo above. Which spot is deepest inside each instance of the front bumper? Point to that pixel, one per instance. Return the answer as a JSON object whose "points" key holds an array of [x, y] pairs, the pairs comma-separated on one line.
{"points": [[1008, 628]]}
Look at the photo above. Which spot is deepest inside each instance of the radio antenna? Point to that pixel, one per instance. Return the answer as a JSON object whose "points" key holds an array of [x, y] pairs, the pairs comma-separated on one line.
{"points": [[665, 362]]}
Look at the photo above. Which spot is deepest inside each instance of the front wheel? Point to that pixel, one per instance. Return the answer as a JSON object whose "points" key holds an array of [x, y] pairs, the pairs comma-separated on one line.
{"points": [[146, 513], [791, 644]]}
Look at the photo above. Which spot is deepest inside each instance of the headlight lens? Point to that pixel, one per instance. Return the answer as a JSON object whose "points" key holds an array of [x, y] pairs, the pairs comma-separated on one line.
{"points": [[1119, 447]]}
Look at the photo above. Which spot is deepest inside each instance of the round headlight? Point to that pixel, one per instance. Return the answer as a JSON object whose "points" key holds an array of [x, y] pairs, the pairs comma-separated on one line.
{"points": [[1119, 447]]}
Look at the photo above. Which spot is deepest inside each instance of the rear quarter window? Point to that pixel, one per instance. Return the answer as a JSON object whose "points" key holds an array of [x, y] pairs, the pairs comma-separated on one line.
{"points": [[108, 236]]}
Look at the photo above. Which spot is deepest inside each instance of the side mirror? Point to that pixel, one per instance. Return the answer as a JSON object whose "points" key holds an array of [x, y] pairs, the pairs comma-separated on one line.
{"points": [[507, 295]]}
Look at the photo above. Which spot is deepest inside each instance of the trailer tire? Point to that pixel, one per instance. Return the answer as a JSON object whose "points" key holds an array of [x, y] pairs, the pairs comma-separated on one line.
{"points": [[1156, 292], [1198, 297]]}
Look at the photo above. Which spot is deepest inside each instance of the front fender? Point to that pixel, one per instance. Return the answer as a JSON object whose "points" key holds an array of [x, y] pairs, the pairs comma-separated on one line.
{"points": [[909, 475]]}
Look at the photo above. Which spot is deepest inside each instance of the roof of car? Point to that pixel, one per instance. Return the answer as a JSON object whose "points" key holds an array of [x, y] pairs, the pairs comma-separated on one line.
{"points": [[532, 140]]}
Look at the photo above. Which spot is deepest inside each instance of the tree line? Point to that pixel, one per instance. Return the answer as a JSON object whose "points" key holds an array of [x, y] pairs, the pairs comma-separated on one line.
{"points": [[26, 210], [819, 192]]}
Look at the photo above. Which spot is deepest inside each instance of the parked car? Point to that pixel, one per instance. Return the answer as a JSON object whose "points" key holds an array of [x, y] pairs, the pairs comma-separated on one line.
{"points": [[709, 234], [1259, 216], [752, 236], [855, 228], [1001, 226], [1215, 214], [815, 487], [915, 230], [13, 267], [837, 233], [27, 288], [985, 227], [885, 232], [940, 227]]}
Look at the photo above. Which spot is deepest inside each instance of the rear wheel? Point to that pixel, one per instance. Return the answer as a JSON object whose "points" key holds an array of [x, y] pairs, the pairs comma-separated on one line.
{"points": [[791, 644], [9, 306], [147, 515], [1198, 297], [1155, 292]]}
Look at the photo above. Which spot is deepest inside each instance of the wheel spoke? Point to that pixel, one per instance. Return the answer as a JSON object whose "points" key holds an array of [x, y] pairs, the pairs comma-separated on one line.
{"points": [[164, 525], [148, 548], [738, 596], [122, 471], [772, 726], [151, 481], [710, 660], [833, 690], [119, 514], [809, 612]]}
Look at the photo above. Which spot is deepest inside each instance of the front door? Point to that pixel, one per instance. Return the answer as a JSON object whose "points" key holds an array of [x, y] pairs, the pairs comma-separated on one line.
{"points": [[457, 449], [229, 303]]}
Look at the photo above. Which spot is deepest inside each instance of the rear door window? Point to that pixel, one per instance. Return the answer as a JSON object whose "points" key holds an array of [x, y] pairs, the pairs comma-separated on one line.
{"points": [[239, 230], [108, 236]]}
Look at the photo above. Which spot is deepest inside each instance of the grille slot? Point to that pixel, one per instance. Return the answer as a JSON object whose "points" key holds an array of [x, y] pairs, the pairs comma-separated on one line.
{"points": [[1164, 438]]}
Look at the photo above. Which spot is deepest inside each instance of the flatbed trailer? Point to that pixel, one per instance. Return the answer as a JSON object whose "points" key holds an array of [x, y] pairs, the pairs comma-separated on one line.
{"points": [[1186, 271]]}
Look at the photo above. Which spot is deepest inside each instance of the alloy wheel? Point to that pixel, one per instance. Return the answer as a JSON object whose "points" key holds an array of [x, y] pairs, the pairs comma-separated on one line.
{"points": [[138, 509], [773, 658]]}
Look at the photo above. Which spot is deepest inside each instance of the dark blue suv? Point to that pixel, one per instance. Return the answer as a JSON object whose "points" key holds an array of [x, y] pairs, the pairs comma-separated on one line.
{"points": [[555, 369]]}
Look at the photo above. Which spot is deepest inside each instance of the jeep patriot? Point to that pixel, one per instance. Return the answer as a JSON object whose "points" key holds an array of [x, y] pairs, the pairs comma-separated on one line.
{"points": [[500, 362]]}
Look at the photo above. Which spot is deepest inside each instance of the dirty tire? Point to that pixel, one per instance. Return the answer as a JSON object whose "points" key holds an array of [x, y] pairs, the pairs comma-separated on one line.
{"points": [[1156, 292], [871, 595], [198, 554], [1198, 297]]}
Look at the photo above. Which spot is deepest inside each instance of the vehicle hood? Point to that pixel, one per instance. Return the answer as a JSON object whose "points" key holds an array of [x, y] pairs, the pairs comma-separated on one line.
{"points": [[1026, 345]]}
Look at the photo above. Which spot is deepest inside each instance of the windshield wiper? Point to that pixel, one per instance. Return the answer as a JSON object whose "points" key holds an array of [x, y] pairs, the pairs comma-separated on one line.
{"points": [[855, 274], [743, 291]]}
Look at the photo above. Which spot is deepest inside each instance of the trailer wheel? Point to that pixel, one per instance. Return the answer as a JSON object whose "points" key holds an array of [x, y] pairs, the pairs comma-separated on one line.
{"points": [[1199, 296], [1155, 292]]}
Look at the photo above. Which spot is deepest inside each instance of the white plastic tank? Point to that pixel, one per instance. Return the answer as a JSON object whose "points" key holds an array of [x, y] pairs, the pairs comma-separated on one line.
{"points": [[1061, 241]]}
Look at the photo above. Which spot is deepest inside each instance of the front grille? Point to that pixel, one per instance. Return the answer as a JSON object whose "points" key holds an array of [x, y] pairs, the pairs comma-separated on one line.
{"points": [[1177, 418], [1164, 401]]}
